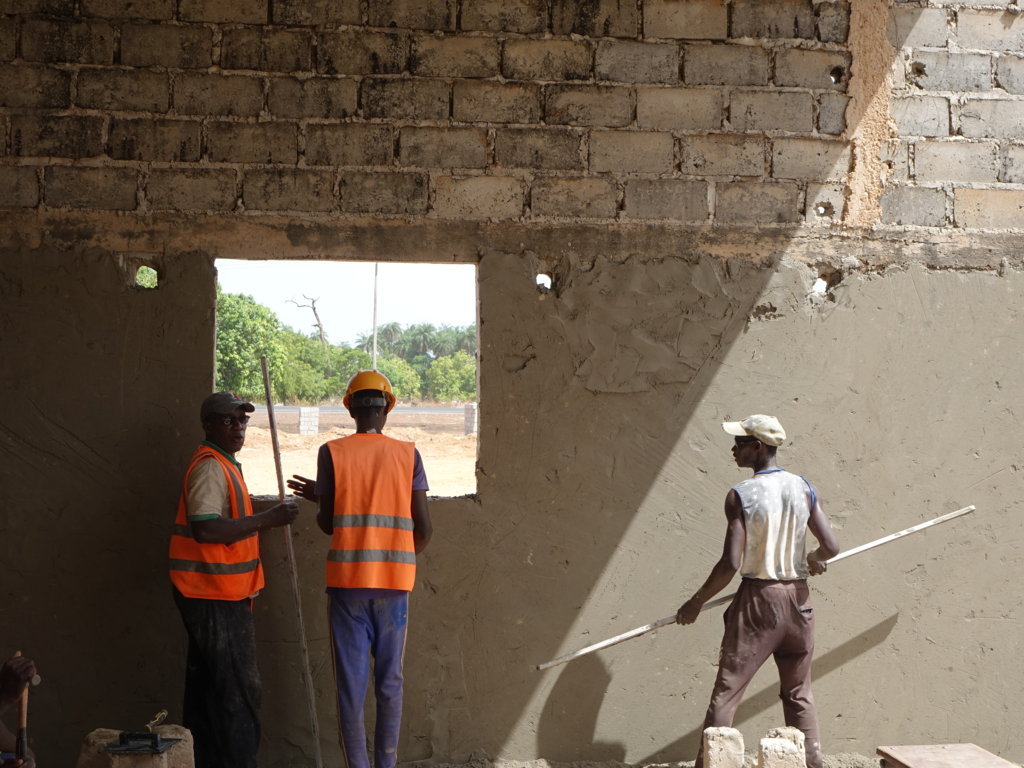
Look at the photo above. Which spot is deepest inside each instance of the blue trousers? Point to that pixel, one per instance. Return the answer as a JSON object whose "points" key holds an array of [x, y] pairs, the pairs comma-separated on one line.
{"points": [[361, 628]]}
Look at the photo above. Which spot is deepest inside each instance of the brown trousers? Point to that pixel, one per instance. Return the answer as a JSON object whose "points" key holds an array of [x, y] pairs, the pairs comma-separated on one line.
{"points": [[768, 618]]}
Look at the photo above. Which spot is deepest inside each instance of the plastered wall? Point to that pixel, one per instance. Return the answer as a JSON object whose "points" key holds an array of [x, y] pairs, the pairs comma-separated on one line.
{"points": [[684, 171]]}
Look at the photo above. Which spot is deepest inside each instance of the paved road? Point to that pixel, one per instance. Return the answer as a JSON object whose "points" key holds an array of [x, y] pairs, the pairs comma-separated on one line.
{"points": [[412, 411]]}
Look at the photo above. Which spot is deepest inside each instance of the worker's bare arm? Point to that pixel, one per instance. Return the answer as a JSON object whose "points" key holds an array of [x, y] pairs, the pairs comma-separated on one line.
{"points": [[227, 530], [422, 527], [325, 514], [828, 544], [726, 567]]}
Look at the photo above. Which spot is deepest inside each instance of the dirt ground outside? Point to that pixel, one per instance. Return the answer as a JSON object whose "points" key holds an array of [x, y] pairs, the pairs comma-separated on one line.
{"points": [[449, 455]]}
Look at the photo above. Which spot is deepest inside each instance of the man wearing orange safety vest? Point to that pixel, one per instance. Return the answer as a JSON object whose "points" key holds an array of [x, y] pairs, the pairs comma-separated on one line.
{"points": [[216, 572], [371, 492]]}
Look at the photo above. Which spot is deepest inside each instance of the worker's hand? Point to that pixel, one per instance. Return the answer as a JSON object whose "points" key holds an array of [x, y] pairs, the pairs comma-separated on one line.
{"points": [[688, 611], [14, 762], [283, 513], [303, 487], [815, 564], [14, 676]]}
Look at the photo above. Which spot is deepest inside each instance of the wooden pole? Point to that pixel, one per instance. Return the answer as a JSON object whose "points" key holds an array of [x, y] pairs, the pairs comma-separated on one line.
{"points": [[722, 600], [290, 549]]}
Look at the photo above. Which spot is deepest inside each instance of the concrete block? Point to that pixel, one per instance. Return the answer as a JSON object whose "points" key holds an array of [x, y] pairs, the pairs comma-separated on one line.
{"points": [[680, 109], [937, 161], [197, 93], [363, 53], [895, 155], [37, 135], [1010, 73], [723, 748], [921, 115], [771, 111], [915, 206], [751, 202], [603, 18], [19, 186], [772, 19], [824, 70], [156, 10], [787, 733], [443, 147], [631, 152], [723, 155], [523, 16], [811, 159], [161, 45], [673, 199], [253, 143], [191, 189], [912, 27], [832, 22], [133, 90], [990, 30], [78, 42], [417, 99], [686, 19], [632, 61], [34, 87], [941, 71], [547, 60], [413, 14], [826, 204], [996, 118], [315, 97], [315, 13], [598, 105], [275, 50], [587, 197], [988, 208], [779, 753], [288, 189], [491, 102], [549, 149], [1011, 169], [225, 11], [105, 189], [178, 756], [309, 420], [832, 113], [479, 197], [8, 38], [167, 141], [455, 56], [725, 65], [363, 192], [349, 144]]}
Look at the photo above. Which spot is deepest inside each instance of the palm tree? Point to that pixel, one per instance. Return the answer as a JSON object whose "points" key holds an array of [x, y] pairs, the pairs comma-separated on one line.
{"points": [[446, 341], [418, 340]]}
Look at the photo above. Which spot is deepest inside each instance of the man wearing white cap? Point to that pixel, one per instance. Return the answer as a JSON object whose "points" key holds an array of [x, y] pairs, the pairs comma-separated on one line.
{"points": [[768, 518]]}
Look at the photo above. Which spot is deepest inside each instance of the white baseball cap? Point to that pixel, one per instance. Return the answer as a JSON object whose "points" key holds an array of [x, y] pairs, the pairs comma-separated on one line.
{"points": [[767, 429]]}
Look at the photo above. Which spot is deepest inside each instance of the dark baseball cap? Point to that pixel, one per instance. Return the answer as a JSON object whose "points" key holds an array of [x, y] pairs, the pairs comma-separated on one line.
{"points": [[223, 403]]}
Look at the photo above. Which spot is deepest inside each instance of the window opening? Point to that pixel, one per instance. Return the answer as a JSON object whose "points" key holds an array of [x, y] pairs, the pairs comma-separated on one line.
{"points": [[314, 321]]}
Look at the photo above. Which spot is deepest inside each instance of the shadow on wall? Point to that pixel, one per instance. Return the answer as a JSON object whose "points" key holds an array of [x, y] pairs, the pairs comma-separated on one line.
{"points": [[568, 722]]}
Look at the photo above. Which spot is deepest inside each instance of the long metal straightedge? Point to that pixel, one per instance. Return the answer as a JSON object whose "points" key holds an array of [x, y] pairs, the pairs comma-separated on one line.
{"points": [[722, 600]]}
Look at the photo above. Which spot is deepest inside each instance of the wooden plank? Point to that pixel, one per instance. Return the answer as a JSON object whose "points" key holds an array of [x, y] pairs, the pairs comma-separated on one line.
{"points": [[942, 756]]}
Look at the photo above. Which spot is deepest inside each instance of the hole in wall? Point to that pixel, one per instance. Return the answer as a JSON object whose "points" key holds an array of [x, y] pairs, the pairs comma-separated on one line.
{"points": [[544, 282], [918, 69], [147, 277], [824, 209], [836, 74]]}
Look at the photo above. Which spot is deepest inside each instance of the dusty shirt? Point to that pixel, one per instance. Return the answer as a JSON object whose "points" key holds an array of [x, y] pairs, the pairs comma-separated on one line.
{"points": [[208, 489], [776, 508]]}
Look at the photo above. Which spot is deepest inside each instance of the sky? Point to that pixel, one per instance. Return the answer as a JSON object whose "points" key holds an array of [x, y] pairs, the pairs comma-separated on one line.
{"points": [[439, 294]]}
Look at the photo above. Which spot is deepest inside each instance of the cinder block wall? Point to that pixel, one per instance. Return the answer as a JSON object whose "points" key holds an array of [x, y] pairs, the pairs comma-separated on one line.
{"points": [[684, 170]]}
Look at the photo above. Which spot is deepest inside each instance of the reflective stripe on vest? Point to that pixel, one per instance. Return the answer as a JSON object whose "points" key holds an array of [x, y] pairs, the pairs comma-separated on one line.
{"points": [[372, 543], [215, 571]]}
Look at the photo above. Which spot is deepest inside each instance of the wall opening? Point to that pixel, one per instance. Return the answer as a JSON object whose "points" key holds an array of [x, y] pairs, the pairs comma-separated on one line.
{"points": [[147, 277], [314, 321]]}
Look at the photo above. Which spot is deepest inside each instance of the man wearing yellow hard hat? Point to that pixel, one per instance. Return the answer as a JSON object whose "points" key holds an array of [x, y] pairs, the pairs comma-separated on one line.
{"points": [[371, 494]]}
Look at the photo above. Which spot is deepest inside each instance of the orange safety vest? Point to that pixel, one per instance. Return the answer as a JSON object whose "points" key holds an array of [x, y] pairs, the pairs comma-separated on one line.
{"points": [[216, 571], [372, 544]]}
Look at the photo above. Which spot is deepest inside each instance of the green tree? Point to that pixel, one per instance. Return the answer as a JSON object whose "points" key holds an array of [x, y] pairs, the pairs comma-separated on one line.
{"points": [[245, 331], [452, 377], [417, 339], [405, 381]]}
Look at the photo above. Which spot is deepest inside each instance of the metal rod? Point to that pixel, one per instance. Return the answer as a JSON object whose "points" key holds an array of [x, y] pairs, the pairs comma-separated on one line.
{"points": [[290, 550], [727, 598]]}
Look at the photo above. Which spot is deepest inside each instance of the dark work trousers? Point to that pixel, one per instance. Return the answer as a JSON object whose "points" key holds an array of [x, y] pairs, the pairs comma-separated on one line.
{"points": [[222, 683], [768, 618], [361, 628]]}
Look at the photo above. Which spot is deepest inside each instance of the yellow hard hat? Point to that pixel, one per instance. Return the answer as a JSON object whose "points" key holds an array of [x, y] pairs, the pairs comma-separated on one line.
{"points": [[369, 380]]}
